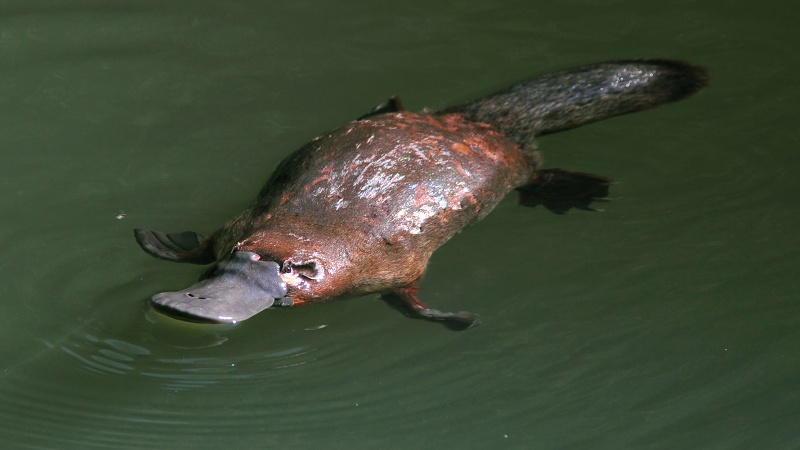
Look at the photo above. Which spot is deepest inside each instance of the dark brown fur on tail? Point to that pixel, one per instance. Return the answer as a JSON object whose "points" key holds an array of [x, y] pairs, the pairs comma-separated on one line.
{"points": [[585, 94]]}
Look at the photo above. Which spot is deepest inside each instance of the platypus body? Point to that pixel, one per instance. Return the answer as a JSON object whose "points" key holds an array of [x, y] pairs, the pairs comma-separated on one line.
{"points": [[362, 208]]}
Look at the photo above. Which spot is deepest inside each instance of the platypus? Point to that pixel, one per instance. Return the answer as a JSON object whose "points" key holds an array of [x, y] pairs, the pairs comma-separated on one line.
{"points": [[360, 209]]}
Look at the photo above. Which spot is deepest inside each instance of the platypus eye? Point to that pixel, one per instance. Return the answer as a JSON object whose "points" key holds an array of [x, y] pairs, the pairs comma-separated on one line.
{"points": [[311, 269]]}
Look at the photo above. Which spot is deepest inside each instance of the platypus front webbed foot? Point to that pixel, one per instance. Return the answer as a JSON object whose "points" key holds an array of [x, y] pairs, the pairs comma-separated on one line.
{"points": [[186, 246], [457, 321], [407, 302]]}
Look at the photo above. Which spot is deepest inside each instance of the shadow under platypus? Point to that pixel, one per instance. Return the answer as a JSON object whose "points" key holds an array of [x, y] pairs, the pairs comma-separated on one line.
{"points": [[360, 209]]}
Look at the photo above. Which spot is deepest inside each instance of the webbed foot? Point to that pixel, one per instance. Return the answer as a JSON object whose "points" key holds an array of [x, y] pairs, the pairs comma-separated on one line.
{"points": [[406, 301], [461, 320], [560, 190], [392, 105], [186, 246]]}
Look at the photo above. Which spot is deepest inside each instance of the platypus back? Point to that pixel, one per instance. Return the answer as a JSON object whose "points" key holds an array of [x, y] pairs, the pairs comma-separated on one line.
{"points": [[568, 99]]}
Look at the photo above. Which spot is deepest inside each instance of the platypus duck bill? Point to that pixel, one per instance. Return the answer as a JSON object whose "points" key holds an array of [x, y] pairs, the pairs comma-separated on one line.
{"points": [[236, 289]]}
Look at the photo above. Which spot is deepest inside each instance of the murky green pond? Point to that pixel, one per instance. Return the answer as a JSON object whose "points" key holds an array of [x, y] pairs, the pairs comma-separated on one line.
{"points": [[670, 320]]}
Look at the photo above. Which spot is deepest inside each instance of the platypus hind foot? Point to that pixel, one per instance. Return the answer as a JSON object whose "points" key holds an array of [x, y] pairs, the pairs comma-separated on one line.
{"points": [[560, 190]]}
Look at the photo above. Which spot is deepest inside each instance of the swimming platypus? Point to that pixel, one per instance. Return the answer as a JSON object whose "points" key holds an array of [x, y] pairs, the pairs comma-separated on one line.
{"points": [[360, 209]]}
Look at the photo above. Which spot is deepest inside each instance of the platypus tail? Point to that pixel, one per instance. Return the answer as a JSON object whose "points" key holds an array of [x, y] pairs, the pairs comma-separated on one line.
{"points": [[586, 94]]}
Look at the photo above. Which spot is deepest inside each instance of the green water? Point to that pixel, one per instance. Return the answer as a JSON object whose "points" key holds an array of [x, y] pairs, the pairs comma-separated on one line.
{"points": [[670, 320]]}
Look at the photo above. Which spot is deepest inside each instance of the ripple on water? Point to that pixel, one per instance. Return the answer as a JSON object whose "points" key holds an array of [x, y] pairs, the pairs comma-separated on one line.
{"points": [[108, 355], [176, 356]]}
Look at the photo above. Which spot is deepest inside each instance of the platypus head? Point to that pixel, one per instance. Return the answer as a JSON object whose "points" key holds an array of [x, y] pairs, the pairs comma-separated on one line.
{"points": [[235, 289], [266, 269]]}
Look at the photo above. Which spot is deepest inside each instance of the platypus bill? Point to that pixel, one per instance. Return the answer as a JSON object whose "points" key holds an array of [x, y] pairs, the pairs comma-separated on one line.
{"points": [[360, 209]]}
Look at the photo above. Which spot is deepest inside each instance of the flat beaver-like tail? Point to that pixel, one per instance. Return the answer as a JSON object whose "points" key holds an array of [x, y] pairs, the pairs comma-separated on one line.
{"points": [[586, 94]]}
